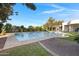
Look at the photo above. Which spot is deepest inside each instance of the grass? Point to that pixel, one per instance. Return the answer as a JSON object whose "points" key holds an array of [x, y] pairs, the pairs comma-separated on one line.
{"points": [[72, 36], [34, 49]]}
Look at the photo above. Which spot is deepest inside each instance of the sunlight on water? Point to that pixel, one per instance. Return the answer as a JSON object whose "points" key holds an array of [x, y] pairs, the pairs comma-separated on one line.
{"points": [[35, 35]]}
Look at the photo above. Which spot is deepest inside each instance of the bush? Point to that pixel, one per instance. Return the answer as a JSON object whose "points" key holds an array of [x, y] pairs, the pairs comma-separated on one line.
{"points": [[77, 38], [73, 36]]}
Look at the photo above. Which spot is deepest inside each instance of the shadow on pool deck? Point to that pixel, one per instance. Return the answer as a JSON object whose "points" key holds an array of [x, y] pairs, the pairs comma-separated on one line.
{"points": [[2, 42], [61, 47]]}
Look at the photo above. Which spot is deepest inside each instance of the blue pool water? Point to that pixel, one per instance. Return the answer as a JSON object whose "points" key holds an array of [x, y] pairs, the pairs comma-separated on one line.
{"points": [[35, 35]]}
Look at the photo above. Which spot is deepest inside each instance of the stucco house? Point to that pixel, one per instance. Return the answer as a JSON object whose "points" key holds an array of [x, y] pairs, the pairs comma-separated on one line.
{"points": [[71, 26]]}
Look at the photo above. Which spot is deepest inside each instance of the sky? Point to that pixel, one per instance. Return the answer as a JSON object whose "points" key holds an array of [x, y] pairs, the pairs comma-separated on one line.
{"points": [[58, 11]]}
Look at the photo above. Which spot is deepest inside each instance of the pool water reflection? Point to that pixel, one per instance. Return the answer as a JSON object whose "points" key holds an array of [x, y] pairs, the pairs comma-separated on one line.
{"points": [[21, 36]]}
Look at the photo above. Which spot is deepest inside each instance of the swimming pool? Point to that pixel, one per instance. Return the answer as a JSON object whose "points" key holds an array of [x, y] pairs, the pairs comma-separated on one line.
{"points": [[21, 36]]}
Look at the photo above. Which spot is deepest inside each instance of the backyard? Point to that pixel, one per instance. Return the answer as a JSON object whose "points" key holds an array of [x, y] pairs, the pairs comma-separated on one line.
{"points": [[29, 27]]}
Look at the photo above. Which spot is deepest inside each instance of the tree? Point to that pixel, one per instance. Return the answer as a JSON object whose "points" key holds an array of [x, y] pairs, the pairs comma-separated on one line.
{"points": [[8, 27], [49, 24], [21, 28], [1, 25], [6, 9], [52, 23], [15, 29], [39, 28], [30, 28]]}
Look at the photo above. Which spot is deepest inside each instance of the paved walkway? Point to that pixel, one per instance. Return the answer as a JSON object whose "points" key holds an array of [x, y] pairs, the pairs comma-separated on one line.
{"points": [[61, 47]]}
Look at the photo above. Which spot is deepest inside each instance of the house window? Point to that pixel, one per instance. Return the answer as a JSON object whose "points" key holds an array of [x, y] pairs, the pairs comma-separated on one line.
{"points": [[77, 30]]}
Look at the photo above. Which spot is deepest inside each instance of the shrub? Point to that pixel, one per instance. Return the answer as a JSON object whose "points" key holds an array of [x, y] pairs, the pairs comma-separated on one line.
{"points": [[77, 38], [73, 36]]}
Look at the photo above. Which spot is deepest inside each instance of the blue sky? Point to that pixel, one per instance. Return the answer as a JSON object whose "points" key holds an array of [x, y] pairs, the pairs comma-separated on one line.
{"points": [[59, 11]]}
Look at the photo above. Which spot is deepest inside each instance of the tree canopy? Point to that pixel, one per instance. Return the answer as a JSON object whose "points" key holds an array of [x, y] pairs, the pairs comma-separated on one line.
{"points": [[6, 9], [51, 23]]}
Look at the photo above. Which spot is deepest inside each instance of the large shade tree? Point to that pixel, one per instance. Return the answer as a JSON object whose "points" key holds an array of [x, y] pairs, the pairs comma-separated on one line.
{"points": [[48, 25], [6, 9], [22, 28], [52, 23], [30, 28], [8, 27], [1, 27]]}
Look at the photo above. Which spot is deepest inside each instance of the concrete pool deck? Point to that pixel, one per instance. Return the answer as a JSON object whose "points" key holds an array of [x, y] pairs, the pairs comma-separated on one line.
{"points": [[12, 42], [2, 42], [61, 47]]}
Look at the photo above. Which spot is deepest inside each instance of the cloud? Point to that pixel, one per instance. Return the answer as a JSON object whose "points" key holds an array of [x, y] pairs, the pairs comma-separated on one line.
{"points": [[57, 6], [70, 11], [70, 16], [74, 16], [53, 11], [62, 12], [75, 10], [59, 9]]}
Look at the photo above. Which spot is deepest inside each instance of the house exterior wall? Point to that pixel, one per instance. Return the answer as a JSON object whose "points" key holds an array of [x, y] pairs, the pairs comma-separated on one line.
{"points": [[70, 28], [66, 28], [74, 27]]}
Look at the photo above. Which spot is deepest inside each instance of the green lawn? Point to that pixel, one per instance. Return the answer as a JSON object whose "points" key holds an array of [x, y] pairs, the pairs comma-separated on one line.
{"points": [[73, 36], [33, 49]]}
